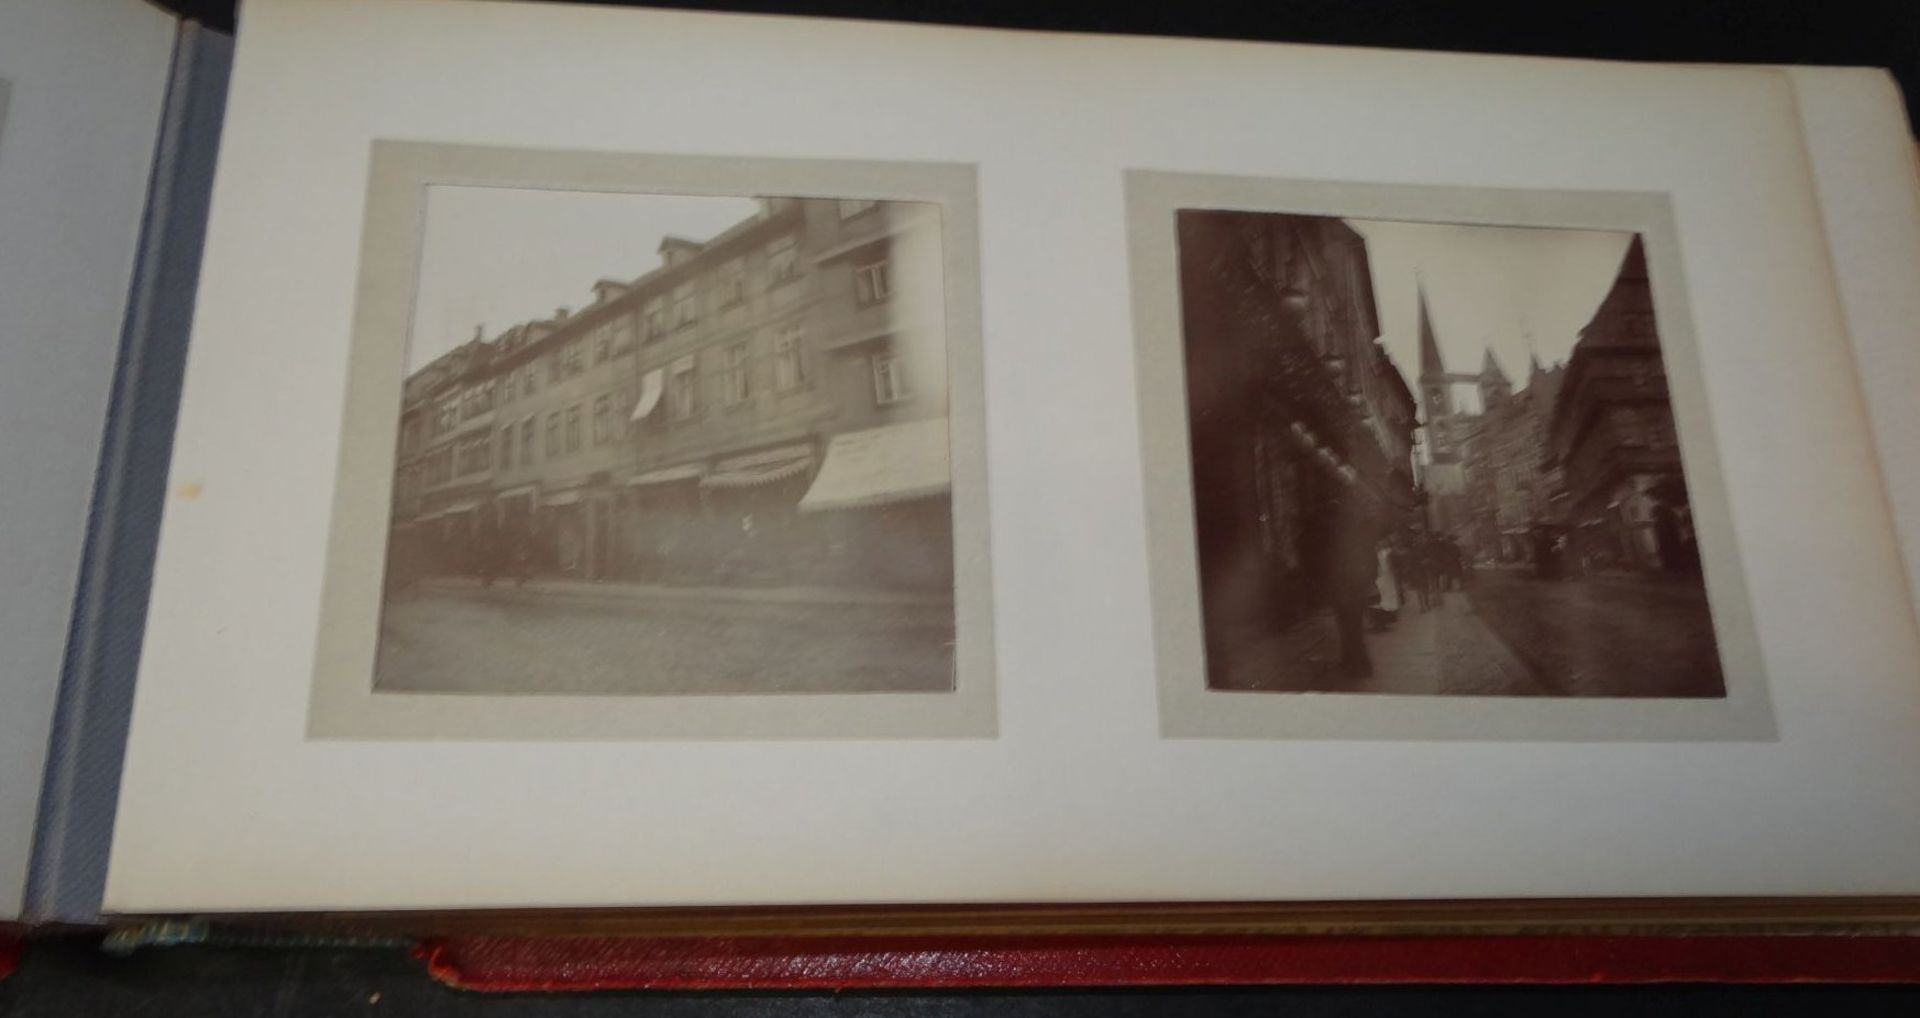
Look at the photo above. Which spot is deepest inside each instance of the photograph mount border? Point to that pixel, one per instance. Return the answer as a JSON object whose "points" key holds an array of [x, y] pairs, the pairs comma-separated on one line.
{"points": [[1188, 708], [343, 703]]}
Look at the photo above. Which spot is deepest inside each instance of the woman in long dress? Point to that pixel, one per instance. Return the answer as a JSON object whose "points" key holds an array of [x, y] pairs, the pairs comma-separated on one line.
{"points": [[1387, 608]]}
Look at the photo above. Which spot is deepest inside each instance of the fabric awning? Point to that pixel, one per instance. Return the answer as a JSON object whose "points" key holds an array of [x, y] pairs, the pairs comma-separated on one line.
{"points": [[749, 476], [881, 465], [445, 511], [561, 498], [652, 384], [667, 475]]}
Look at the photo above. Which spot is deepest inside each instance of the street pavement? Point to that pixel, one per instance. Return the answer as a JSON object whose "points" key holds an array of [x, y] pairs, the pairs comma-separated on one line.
{"points": [[1444, 650], [1508, 634], [616, 639], [1606, 635]]}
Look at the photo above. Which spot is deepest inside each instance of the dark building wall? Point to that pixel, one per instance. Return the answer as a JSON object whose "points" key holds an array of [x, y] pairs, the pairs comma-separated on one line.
{"points": [[1613, 438], [1300, 429], [1510, 477]]}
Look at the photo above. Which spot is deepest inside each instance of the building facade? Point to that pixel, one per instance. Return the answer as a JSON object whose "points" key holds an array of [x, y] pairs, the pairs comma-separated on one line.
{"points": [[1301, 428], [1510, 479], [672, 428], [1490, 482], [1612, 436]]}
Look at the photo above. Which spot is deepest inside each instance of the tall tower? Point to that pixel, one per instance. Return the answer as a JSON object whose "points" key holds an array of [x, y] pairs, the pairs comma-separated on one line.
{"points": [[1436, 391], [1493, 382]]}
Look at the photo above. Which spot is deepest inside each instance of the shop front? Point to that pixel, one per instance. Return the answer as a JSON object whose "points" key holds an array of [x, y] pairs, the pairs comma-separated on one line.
{"points": [[663, 525], [883, 506], [751, 525], [562, 525]]}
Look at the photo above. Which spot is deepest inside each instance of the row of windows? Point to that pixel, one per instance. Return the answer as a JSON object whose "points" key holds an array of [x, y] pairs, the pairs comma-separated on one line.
{"points": [[668, 313], [570, 360], [736, 382], [736, 372], [565, 433], [437, 468], [890, 386], [662, 316], [606, 417], [789, 372], [451, 410], [472, 455], [460, 406]]}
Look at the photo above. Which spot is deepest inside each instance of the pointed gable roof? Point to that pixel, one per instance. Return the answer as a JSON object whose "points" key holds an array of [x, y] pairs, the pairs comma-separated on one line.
{"points": [[1490, 368]]}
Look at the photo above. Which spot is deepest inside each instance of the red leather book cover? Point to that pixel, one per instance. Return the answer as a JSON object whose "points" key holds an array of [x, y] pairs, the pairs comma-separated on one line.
{"points": [[503, 964], [9, 954]]}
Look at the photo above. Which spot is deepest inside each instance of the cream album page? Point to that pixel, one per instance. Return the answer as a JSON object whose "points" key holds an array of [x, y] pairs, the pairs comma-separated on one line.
{"points": [[633, 458]]}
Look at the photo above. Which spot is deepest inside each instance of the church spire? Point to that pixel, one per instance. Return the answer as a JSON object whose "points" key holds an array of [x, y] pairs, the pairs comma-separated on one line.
{"points": [[1436, 387], [1431, 366]]}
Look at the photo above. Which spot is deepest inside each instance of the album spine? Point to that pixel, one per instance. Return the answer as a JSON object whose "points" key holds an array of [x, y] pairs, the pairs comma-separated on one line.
{"points": [[74, 828]]}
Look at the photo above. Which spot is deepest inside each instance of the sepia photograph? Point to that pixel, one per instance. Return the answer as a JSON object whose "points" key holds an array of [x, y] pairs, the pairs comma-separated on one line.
{"points": [[1435, 459], [671, 444]]}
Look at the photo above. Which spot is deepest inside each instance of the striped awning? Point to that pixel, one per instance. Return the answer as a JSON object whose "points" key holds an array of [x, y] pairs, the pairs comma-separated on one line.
{"points": [[757, 474], [445, 511], [667, 475]]}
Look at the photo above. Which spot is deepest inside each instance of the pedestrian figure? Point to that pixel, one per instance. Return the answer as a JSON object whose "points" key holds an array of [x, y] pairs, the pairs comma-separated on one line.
{"points": [[1546, 552], [1345, 566], [1434, 558], [486, 549], [1386, 605], [1410, 565], [1455, 561], [520, 556]]}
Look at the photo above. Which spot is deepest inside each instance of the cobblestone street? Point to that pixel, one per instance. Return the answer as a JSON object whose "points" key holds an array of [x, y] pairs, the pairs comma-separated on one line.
{"points": [[1509, 635], [613, 638], [1605, 635]]}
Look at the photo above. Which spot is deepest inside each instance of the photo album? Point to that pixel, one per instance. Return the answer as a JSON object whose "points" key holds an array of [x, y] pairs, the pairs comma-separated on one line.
{"points": [[684, 465]]}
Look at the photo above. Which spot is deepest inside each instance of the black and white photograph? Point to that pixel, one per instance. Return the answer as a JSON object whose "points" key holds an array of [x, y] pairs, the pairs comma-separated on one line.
{"points": [[1436, 459], [671, 444]]}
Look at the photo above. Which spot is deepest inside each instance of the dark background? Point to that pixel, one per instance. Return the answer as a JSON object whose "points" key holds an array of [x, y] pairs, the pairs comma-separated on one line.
{"points": [[70, 979], [69, 975], [1875, 33]]}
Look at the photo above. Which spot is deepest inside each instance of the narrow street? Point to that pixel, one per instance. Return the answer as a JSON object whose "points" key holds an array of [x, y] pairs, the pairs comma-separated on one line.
{"points": [[1605, 635], [1508, 634], [620, 639]]}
